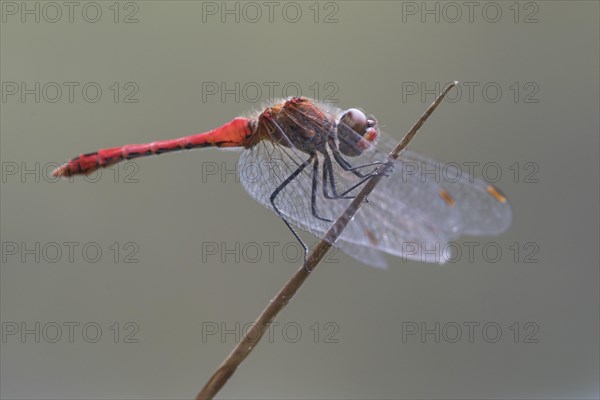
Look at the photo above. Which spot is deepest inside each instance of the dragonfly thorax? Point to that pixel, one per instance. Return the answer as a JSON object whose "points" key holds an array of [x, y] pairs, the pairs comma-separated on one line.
{"points": [[297, 123], [302, 124]]}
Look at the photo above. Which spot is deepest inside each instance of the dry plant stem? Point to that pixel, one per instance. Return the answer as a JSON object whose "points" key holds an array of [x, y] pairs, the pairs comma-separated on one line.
{"points": [[254, 334]]}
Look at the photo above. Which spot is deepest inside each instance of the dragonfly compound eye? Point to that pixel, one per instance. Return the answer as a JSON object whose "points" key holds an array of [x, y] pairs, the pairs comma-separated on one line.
{"points": [[355, 132]]}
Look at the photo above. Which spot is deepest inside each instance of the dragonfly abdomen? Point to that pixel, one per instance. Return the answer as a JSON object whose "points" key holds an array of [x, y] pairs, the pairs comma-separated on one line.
{"points": [[237, 133]]}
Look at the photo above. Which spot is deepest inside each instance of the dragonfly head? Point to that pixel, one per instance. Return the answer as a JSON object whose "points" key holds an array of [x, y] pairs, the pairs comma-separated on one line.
{"points": [[356, 132]]}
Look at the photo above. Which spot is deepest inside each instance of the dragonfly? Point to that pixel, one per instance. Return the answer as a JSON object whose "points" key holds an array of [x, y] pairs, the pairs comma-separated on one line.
{"points": [[306, 161]]}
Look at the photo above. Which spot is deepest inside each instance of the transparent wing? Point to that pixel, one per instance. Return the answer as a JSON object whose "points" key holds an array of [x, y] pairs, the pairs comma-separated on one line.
{"points": [[364, 254], [410, 220], [483, 209], [412, 213]]}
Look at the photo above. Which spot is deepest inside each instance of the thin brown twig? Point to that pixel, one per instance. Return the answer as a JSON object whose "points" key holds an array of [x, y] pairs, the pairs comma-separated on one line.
{"points": [[254, 334]]}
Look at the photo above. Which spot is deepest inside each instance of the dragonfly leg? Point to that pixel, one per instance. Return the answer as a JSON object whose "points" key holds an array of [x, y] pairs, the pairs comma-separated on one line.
{"points": [[279, 189], [313, 198], [329, 167], [351, 188], [329, 179], [346, 166], [385, 171]]}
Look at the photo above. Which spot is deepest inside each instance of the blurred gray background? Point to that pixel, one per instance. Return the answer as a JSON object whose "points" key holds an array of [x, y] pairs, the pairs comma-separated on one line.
{"points": [[86, 325]]}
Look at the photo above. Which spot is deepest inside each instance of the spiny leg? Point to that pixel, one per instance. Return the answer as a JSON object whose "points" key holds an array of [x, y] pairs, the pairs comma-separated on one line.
{"points": [[346, 166], [328, 166], [315, 183], [328, 178], [280, 188], [351, 188]]}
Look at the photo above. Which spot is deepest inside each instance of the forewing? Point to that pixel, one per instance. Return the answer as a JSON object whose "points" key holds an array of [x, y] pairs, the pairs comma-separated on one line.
{"points": [[413, 213], [407, 219], [483, 209]]}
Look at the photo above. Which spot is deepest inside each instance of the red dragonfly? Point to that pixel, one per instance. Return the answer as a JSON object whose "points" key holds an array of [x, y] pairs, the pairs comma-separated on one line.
{"points": [[295, 161]]}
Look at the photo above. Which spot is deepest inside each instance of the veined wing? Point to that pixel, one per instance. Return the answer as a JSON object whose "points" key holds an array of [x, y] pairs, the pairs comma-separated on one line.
{"points": [[483, 208], [411, 220], [412, 213]]}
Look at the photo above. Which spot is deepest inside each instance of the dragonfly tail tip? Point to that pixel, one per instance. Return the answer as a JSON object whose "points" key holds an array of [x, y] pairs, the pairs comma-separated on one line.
{"points": [[62, 171]]}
